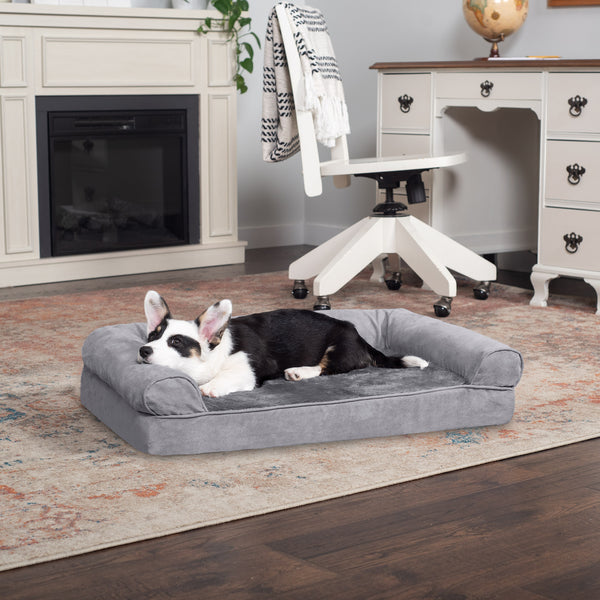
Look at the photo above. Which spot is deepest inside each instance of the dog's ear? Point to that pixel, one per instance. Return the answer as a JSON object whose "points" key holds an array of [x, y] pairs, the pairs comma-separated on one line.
{"points": [[156, 310], [213, 322]]}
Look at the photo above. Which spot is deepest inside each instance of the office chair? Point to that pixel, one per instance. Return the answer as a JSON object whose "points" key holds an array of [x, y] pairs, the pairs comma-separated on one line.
{"points": [[390, 230]]}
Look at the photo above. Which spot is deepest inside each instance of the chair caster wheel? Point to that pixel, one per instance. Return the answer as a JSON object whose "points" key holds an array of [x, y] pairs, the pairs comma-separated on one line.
{"points": [[482, 291], [442, 306], [322, 303], [394, 282], [299, 291]]}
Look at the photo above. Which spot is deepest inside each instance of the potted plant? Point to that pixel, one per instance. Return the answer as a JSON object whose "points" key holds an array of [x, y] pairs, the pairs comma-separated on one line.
{"points": [[234, 22]]}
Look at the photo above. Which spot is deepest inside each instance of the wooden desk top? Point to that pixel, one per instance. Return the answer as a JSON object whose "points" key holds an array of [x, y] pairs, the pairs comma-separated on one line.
{"points": [[499, 63]]}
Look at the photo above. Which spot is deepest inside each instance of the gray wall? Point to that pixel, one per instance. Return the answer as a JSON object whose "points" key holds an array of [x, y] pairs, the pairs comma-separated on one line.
{"points": [[272, 207]]}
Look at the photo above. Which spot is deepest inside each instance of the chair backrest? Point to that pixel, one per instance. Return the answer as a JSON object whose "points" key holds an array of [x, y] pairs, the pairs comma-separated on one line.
{"points": [[311, 169]]}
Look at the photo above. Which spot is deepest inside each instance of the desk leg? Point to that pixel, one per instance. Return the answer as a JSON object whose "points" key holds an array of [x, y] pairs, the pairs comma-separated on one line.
{"points": [[540, 281], [595, 283]]}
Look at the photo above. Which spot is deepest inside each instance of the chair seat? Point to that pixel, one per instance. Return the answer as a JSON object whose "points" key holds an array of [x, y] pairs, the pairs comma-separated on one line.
{"points": [[413, 162]]}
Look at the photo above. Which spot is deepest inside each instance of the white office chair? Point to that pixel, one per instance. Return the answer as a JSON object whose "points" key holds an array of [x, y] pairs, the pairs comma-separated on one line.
{"points": [[390, 230]]}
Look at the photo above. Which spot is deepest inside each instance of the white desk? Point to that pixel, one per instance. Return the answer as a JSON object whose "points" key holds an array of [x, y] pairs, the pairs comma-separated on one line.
{"points": [[532, 132]]}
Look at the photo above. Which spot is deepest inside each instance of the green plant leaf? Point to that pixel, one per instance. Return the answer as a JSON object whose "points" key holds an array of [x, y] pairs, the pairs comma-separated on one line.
{"points": [[256, 38], [249, 49], [241, 84], [223, 6], [247, 64]]}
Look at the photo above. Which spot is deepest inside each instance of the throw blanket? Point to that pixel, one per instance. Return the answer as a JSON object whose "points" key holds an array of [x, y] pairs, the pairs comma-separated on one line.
{"points": [[322, 92]]}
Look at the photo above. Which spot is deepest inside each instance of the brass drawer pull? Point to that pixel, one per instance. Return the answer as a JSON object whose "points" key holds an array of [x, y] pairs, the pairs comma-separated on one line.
{"points": [[572, 241], [486, 88], [576, 103], [405, 102], [575, 173]]}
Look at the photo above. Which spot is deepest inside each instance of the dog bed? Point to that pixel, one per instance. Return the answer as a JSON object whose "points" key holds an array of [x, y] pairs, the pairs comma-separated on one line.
{"points": [[470, 382]]}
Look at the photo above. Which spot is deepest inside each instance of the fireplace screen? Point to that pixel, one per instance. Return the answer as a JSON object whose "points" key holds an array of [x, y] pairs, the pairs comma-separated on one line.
{"points": [[117, 180]]}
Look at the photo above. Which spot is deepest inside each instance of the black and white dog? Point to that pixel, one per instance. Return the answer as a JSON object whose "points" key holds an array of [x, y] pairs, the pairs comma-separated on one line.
{"points": [[225, 355]]}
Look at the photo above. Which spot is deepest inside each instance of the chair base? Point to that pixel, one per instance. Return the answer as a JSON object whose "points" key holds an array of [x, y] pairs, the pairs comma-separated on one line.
{"points": [[429, 253]]}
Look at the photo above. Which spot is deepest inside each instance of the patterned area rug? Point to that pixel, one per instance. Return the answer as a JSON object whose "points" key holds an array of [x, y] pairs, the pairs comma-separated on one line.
{"points": [[68, 485]]}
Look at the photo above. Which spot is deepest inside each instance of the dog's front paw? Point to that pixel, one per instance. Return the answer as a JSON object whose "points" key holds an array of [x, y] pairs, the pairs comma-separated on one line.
{"points": [[223, 385], [212, 390]]}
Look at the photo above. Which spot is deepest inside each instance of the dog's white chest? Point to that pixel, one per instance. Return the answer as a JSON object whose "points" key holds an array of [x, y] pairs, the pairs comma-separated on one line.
{"points": [[235, 375]]}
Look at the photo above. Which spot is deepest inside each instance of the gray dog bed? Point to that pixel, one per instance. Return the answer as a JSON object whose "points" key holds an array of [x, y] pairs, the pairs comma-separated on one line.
{"points": [[470, 382]]}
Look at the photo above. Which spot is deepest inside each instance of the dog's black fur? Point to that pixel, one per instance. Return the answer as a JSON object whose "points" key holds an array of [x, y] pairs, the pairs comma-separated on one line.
{"points": [[289, 338]]}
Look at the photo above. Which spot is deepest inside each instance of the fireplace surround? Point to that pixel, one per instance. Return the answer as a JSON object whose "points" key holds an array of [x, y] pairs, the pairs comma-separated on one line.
{"points": [[137, 57]]}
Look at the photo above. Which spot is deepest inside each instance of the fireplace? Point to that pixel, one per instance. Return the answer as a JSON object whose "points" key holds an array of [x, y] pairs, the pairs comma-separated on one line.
{"points": [[176, 204], [117, 173]]}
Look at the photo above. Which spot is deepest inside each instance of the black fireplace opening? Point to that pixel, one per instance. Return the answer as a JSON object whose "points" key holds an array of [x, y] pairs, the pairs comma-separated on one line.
{"points": [[117, 173]]}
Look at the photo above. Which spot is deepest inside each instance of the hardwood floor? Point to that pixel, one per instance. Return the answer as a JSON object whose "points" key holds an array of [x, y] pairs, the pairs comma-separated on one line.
{"points": [[526, 528]]}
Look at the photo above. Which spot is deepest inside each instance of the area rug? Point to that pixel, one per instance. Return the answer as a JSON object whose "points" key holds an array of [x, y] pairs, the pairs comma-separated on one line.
{"points": [[68, 485]]}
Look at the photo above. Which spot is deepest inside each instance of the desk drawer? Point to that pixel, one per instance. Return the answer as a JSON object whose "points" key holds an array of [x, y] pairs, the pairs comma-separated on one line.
{"points": [[556, 223], [574, 102], [415, 111], [565, 181], [398, 144], [504, 86]]}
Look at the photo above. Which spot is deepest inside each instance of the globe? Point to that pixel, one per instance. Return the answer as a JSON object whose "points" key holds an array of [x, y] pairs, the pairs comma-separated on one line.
{"points": [[495, 19]]}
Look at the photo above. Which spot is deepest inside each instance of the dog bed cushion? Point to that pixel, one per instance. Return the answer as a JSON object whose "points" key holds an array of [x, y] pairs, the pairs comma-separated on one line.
{"points": [[470, 382]]}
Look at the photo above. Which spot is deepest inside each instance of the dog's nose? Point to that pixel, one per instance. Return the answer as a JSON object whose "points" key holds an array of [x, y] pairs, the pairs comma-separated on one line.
{"points": [[145, 352]]}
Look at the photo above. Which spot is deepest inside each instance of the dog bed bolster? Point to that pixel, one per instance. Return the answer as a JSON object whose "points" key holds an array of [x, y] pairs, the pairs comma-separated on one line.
{"points": [[480, 360], [110, 353]]}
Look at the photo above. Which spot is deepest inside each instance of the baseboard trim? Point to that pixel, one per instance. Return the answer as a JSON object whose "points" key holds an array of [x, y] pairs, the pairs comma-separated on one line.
{"points": [[317, 233], [293, 234], [270, 236]]}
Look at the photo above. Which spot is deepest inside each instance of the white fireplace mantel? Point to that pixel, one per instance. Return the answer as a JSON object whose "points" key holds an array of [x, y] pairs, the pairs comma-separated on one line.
{"points": [[63, 50]]}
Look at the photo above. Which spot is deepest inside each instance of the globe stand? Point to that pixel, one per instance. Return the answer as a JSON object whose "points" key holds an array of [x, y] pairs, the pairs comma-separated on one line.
{"points": [[494, 52]]}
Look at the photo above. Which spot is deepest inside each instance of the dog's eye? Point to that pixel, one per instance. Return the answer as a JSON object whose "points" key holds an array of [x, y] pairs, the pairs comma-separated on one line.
{"points": [[175, 341]]}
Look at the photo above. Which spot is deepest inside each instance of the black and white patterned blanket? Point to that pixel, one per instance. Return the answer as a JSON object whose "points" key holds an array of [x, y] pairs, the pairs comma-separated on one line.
{"points": [[322, 92]]}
